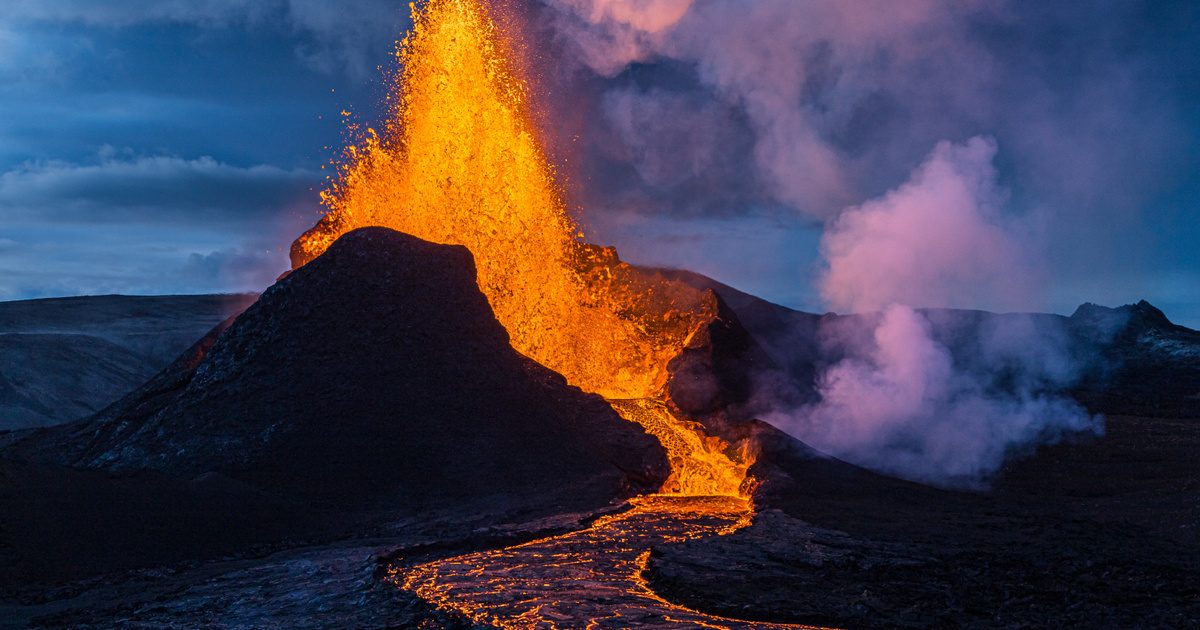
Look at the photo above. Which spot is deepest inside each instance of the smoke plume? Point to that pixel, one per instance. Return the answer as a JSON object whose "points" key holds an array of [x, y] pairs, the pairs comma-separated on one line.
{"points": [[900, 399], [938, 240], [799, 108], [823, 109]]}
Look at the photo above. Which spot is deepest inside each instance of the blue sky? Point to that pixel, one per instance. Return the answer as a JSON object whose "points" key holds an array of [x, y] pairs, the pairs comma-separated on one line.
{"points": [[163, 146]]}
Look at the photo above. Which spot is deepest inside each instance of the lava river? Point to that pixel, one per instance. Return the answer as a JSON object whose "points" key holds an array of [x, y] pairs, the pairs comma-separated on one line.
{"points": [[592, 578]]}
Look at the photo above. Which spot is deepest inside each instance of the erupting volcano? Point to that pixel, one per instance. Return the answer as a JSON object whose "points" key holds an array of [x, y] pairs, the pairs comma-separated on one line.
{"points": [[454, 411], [459, 162]]}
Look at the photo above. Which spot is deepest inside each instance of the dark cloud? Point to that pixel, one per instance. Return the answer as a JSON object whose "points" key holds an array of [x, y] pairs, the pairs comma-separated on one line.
{"points": [[68, 259], [735, 107], [841, 100], [342, 36], [227, 118], [157, 189]]}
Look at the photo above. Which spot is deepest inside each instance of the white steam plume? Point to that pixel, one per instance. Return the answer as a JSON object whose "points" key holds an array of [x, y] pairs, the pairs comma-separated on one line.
{"points": [[898, 401]]}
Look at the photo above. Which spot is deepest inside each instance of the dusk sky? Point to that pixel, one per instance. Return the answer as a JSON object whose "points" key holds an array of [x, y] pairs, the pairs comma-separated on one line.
{"points": [[178, 146]]}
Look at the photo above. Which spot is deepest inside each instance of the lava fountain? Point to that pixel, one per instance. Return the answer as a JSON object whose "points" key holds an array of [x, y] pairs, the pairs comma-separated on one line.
{"points": [[458, 161]]}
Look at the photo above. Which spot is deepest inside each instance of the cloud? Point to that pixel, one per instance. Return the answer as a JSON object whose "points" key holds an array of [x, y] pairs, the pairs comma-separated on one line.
{"points": [[127, 12], [345, 36], [125, 223], [357, 37], [118, 187], [232, 269], [802, 73], [893, 396], [187, 257], [610, 34], [649, 16], [940, 240], [900, 404], [842, 99], [140, 271]]}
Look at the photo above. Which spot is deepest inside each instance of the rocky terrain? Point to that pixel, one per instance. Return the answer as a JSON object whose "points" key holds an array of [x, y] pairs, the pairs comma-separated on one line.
{"points": [[366, 450], [65, 358], [1097, 534], [341, 403], [1092, 532]]}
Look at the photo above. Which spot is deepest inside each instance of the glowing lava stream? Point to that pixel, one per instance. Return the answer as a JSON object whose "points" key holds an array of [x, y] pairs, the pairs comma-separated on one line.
{"points": [[586, 579], [459, 162]]}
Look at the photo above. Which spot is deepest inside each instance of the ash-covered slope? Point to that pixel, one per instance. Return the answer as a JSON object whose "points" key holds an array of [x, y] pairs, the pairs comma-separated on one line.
{"points": [[376, 371], [65, 358]]}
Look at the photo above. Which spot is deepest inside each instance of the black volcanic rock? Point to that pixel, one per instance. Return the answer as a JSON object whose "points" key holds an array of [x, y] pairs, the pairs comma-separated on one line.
{"points": [[378, 370], [1141, 362], [368, 388], [714, 370], [1087, 533], [1106, 322]]}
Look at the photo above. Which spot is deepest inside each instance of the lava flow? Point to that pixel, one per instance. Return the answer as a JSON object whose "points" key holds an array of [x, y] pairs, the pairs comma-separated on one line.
{"points": [[458, 162], [591, 578]]}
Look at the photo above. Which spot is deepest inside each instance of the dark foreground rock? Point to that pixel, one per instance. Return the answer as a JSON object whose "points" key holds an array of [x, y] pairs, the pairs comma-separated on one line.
{"points": [[371, 385], [1099, 533]]}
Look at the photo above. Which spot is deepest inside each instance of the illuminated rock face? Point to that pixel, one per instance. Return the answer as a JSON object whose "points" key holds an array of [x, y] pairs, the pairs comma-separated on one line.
{"points": [[378, 372]]}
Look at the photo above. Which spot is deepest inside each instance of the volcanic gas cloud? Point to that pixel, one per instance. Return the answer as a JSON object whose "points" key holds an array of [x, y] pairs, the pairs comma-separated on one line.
{"points": [[898, 400]]}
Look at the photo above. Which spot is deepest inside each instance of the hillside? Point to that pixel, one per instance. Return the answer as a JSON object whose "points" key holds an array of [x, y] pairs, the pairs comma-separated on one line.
{"points": [[66, 358]]}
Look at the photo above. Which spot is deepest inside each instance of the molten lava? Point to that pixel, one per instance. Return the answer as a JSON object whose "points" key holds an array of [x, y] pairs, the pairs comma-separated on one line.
{"points": [[459, 162]]}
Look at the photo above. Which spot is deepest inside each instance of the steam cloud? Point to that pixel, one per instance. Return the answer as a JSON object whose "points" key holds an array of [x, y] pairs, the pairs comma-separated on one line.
{"points": [[938, 240], [840, 100], [802, 74], [900, 405], [900, 401], [803, 108]]}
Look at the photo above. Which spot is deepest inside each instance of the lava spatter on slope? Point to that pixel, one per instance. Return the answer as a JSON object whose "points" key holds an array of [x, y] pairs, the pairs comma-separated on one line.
{"points": [[700, 465]]}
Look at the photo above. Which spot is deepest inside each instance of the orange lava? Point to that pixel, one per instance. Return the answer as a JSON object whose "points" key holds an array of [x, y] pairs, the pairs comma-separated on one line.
{"points": [[459, 162], [592, 578]]}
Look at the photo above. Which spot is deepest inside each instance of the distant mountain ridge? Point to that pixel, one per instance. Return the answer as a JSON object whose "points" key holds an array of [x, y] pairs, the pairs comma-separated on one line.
{"points": [[65, 358], [1133, 359]]}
